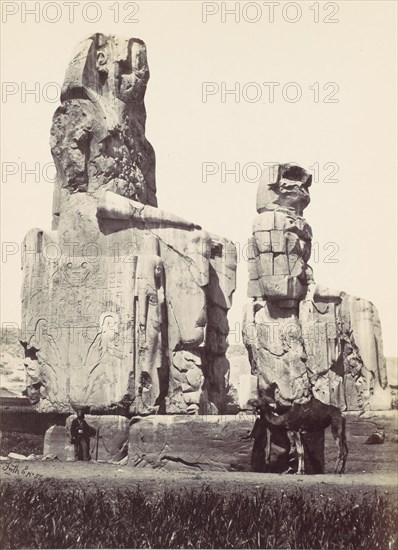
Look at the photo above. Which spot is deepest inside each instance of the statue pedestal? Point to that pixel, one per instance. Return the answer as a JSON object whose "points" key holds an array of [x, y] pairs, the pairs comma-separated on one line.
{"points": [[109, 445], [187, 442], [198, 443]]}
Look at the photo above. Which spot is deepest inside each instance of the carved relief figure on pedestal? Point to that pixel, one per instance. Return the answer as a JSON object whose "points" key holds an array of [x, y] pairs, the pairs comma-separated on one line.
{"points": [[152, 362], [99, 364], [45, 374]]}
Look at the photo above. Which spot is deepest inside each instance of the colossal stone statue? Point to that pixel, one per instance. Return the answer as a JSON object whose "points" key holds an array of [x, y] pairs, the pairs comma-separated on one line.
{"points": [[303, 339], [120, 299], [98, 134], [279, 250]]}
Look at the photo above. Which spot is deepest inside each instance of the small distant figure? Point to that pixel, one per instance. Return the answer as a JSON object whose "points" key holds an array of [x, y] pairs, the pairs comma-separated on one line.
{"points": [[80, 433], [376, 438]]}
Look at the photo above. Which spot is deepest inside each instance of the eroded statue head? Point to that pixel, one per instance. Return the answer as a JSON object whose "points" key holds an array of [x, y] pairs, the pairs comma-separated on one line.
{"points": [[284, 186]]}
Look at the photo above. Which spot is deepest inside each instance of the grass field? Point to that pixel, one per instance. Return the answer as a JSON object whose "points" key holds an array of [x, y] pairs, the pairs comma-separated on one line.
{"points": [[48, 514], [59, 504]]}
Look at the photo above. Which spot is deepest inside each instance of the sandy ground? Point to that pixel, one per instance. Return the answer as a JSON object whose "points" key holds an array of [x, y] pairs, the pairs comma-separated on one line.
{"points": [[112, 476]]}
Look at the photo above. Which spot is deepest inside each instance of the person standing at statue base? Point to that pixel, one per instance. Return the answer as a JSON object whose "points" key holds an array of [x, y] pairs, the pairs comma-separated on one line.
{"points": [[80, 437]]}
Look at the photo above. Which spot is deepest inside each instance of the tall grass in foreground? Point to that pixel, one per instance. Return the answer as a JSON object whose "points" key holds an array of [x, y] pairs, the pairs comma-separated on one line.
{"points": [[49, 514]]}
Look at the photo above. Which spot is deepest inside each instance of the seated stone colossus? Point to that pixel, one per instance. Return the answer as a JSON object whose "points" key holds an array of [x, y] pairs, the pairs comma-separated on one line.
{"points": [[124, 305], [305, 340]]}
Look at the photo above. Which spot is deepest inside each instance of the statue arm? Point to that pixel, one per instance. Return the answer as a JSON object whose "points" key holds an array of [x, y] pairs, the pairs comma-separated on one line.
{"points": [[115, 207]]}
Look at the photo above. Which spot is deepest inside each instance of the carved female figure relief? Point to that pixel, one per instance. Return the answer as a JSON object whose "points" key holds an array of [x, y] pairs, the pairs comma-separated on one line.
{"points": [[151, 329], [100, 359]]}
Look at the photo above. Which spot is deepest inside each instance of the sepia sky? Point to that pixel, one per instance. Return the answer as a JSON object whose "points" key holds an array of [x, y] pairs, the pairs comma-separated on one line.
{"points": [[306, 82]]}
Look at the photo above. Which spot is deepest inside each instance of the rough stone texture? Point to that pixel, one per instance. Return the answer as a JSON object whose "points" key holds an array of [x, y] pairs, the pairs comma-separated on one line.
{"points": [[97, 136], [196, 443], [112, 439], [225, 443], [118, 297], [273, 337], [57, 442], [304, 339], [366, 329], [218, 395]]}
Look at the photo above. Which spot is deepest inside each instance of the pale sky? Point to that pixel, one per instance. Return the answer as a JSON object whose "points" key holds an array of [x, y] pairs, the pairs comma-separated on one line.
{"points": [[342, 75]]}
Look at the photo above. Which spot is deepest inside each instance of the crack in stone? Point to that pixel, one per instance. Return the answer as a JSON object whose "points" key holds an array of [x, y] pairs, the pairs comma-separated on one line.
{"points": [[180, 460], [190, 263], [174, 317]]}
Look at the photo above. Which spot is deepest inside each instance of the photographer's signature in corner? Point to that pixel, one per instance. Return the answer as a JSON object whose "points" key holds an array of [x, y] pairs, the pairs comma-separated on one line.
{"points": [[13, 468]]}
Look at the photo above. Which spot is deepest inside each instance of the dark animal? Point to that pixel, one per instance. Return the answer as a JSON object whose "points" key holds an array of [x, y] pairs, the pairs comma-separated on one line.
{"points": [[307, 417]]}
